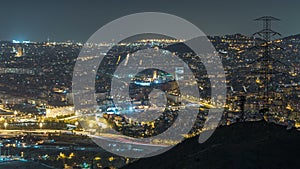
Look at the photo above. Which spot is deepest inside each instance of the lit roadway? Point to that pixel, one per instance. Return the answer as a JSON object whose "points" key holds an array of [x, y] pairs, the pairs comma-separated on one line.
{"points": [[104, 138], [199, 102]]}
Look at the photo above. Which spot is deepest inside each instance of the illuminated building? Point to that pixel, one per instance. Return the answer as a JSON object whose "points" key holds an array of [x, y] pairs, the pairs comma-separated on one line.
{"points": [[20, 52]]}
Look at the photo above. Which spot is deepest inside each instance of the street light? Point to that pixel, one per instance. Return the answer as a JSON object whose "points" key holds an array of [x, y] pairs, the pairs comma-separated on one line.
{"points": [[41, 125], [5, 125], [93, 160]]}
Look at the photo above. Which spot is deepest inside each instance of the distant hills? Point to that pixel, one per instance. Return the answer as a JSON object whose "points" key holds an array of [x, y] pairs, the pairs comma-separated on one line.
{"points": [[250, 145]]}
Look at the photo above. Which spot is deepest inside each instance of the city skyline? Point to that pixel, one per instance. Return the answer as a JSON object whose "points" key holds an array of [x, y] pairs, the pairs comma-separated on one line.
{"points": [[137, 84]]}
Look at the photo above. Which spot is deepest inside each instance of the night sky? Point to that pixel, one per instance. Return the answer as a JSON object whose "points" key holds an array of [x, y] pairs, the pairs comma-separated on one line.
{"points": [[62, 20]]}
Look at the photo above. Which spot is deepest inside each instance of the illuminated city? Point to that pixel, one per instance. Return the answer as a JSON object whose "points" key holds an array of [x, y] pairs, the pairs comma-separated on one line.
{"points": [[50, 114], [47, 121]]}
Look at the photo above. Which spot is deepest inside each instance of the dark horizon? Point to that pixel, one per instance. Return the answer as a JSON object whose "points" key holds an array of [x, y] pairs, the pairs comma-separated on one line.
{"points": [[73, 41], [78, 20]]}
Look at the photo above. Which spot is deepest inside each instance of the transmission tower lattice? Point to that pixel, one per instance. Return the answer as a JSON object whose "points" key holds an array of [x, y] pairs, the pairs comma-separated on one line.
{"points": [[266, 35]]}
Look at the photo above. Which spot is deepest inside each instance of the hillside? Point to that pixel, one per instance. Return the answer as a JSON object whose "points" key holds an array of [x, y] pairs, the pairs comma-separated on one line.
{"points": [[251, 145]]}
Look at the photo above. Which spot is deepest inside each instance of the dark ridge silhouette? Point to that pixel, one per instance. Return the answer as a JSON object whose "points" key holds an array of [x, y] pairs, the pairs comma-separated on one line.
{"points": [[250, 145]]}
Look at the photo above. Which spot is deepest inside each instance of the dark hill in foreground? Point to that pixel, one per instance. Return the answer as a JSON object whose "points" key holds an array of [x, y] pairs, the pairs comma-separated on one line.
{"points": [[251, 145]]}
